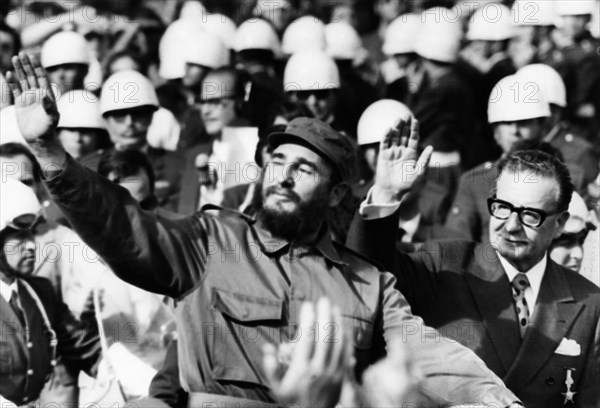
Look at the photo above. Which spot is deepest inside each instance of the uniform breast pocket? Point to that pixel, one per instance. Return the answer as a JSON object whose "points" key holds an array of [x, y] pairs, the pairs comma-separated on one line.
{"points": [[6, 358], [245, 324]]}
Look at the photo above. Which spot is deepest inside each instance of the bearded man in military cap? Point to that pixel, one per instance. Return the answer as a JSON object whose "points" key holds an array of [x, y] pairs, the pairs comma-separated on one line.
{"points": [[240, 282]]}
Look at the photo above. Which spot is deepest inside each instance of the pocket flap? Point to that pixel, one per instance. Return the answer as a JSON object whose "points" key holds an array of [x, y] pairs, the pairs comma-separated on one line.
{"points": [[246, 308]]}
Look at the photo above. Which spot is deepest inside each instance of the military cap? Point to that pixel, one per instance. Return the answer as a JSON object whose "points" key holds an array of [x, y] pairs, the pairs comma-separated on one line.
{"points": [[333, 146]]}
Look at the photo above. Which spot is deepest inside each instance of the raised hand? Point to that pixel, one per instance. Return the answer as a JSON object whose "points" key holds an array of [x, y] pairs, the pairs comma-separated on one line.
{"points": [[318, 361], [398, 166], [35, 107]]}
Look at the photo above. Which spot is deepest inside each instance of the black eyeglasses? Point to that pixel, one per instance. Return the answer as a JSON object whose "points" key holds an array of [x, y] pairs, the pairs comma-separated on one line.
{"points": [[320, 94], [531, 217]]}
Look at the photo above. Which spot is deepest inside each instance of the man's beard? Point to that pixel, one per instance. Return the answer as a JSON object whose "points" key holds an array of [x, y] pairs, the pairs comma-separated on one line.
{"points": [[305, 219]]}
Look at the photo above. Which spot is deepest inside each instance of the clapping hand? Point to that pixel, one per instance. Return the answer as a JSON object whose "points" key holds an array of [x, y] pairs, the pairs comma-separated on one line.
{"points": [[318, 362]]}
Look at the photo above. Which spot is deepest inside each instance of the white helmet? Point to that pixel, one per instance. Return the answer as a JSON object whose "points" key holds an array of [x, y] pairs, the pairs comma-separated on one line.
{"points": [[401, 34], [579, 215], [16, 200], [66, 47], [310, 70], [377, 120], [207, 50], [575, 7], [80, 109], [305, 33], [221, 26], [126, 90], [492, 22], [595, 23], [513, 99], [192, 10], [173, 47], [256, 34], [533, 12], [550, 81], [440, 35], [10, 132], [343, 42]]}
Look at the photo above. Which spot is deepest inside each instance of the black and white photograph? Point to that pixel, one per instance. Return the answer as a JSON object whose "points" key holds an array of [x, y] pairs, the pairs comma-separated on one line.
{"points": [[299, 204]]}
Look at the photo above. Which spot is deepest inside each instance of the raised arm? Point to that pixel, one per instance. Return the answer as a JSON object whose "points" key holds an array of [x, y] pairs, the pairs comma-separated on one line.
{"points": [[143, 249]]}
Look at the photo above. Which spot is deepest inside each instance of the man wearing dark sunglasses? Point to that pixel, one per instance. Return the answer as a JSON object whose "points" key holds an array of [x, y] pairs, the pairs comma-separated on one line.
{"points": [[535, 323], [37, 327]]}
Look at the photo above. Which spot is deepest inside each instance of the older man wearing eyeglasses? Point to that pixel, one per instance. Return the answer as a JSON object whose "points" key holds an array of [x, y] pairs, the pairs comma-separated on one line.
{"points": [[533, 322]]}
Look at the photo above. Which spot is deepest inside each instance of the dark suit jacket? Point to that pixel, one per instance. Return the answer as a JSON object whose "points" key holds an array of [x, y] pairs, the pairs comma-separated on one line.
{"points": [[24, 365], [461, 289]]}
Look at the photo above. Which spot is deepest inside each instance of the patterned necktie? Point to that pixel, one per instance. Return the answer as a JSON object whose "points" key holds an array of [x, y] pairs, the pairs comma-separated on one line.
{"points": [[520, 283], [15, 303]]}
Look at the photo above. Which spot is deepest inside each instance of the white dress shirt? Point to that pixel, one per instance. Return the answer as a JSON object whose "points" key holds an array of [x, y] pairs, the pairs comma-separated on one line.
{"points": [[534, 275], [6, 290]]}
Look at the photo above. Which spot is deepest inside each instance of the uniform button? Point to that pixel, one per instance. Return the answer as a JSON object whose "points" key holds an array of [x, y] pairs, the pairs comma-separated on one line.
{"points": [[550, 381], [245, 313], [29, 344], [25, 399], [30, 372]]}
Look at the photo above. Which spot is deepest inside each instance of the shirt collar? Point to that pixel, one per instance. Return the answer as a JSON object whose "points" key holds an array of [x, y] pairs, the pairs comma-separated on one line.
{"points": [[410, 227], [6, 290], [534, 275], [324, 244]]}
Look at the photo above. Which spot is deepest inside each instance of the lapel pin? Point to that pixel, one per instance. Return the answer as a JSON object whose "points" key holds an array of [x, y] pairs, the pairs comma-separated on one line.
{"points": [[569, 382]]}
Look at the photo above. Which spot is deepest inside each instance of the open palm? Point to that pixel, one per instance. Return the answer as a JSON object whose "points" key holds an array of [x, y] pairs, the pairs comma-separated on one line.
{"points": [[35, 104], [398, 165]]}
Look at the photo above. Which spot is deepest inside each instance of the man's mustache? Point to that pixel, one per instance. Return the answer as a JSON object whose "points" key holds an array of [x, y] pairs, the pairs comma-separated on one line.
{"points": [[282, 191]]}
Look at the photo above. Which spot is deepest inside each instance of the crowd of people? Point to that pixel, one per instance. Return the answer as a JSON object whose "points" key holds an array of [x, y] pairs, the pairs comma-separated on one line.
{"points": [[291, 202]]}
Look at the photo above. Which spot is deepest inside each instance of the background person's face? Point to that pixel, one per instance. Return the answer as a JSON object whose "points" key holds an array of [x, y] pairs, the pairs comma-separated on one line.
{"points": [[19, 252], [521, 245], [194, 74], [67, 76], [78, 141], [574, 26], [568, 255], [321, 103], [507, 134], [216, 102], [128, 127]]}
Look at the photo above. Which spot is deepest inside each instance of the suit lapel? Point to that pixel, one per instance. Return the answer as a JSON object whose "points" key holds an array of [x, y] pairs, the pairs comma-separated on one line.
{"points": [[11, 323], [555, 311], [493, 295]]}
